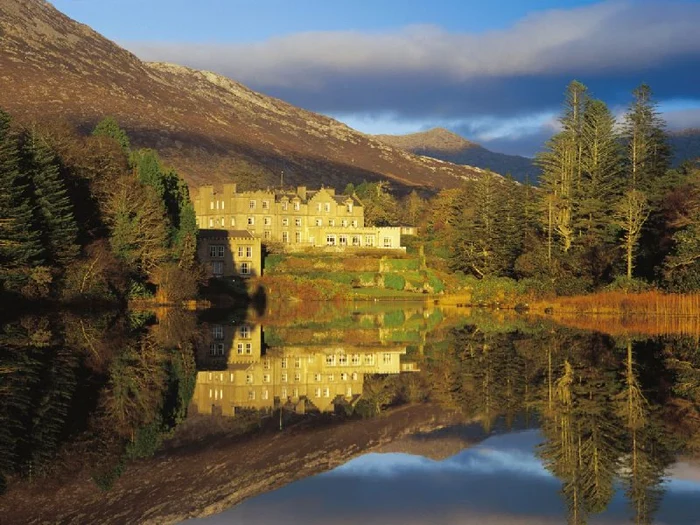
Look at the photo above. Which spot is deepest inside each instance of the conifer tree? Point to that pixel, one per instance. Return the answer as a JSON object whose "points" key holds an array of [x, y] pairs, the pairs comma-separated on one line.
{"points": [[54, 210], [109, 127], [20, 246]]}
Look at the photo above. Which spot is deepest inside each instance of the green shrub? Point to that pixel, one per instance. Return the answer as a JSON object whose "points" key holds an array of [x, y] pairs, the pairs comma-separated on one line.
{"points": [[435, 283], [402, 265], [394, 319], [394, 281], [624, 284]]}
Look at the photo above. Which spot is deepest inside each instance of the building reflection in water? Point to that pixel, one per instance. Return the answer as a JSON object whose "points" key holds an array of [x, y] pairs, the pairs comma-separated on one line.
{"points": [[238, 371]]}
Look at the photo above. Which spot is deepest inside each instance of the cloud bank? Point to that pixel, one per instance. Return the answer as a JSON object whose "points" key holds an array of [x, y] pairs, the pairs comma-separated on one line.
{"points": [[424, 73]]}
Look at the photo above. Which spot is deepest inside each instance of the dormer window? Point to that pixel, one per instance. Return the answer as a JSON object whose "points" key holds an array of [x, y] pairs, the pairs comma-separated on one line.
{"points": [[285, 205], [327, 206], [297, 205], [349, 207]]}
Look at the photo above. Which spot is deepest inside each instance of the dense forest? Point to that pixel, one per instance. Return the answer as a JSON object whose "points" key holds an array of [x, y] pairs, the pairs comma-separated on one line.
{"points": [[87, 217], [607, 212]]}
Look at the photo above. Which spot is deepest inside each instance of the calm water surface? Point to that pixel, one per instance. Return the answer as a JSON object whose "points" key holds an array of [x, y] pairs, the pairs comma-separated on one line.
{"points": [[344, 414]]}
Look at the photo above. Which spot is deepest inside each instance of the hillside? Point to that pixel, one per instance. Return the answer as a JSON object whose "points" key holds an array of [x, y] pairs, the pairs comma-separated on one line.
{"points": [[210, 128], [685, 145], [445, 145]]}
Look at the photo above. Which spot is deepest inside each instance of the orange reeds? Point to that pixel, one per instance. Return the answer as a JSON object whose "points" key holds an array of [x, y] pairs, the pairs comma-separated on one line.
{"points": [[619, 303]]}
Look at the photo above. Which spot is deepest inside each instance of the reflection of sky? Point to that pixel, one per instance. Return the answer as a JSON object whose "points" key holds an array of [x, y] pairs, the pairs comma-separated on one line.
{"points": [[498, 481]]}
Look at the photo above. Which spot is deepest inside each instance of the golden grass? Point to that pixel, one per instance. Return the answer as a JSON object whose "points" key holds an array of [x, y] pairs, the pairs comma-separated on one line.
{"points": [[619, 303]]}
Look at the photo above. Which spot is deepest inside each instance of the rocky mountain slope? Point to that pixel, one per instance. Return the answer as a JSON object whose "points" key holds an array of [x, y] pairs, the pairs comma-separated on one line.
{"points": [[210, 128], [443, 144]]}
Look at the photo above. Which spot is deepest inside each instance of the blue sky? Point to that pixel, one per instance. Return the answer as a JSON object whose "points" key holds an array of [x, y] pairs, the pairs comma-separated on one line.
{"points": [[492, 71]]}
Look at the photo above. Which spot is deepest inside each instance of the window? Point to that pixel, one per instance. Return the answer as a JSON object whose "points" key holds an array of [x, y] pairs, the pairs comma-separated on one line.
{"points": [[211, 222], [349, 207], [317, 378], [331, 222], [330, 360], [233, 221], [297, 376], [297, 221], [230, 377], [344, 223], [240, 251], [265, 394], [344, 376], [251, 395], [283, 392], [369, 359], [266, 205], [295, 393], [326, 392], [251, 205], [285, 205], [285, 236], [297, 237], [330, 240], [266, 378], [216, 349], [387, 242], [354, 224], [342, 359], [284, 362], [267, 221], [267, 234], [317, 392], [217, 332], [283, 377], [249, 251], [354, 376], [251, 221], [222, 204], [249, 379], [355, 240], [355, 359], [331, 378], [244, 331], [248, 348], [369, 240], [217, 268], [239, 348], [327, 206], [266, 364], [216, 251], [297, 206], [343, 240], [319, 222], [211, 205], [387, 358], [297, 362], [285, 221], [245, 268], [318, 206]]}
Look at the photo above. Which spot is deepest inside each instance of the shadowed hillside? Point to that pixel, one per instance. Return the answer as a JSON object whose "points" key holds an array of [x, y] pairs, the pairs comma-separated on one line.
{"points": [[445, 145]]}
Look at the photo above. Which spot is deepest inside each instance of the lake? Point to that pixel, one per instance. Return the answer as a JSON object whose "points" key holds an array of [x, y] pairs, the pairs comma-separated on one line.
{"points": [[348, 413]]}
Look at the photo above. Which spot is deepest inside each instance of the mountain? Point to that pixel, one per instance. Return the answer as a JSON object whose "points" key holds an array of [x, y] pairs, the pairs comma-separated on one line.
{"points": [[685, 145], [443, 144], [210, 128]]}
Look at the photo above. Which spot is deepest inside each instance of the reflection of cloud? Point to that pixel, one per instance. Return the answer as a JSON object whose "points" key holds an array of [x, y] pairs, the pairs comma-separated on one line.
{"points": [[500, 481]]}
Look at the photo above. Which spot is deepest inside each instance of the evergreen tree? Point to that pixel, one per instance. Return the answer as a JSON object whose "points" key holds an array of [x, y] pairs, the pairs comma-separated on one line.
{"points": [[20, 246], [109, 127], [647, 148], [54, 210]]}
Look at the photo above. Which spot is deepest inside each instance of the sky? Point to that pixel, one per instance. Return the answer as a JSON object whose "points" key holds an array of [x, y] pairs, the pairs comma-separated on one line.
{"points": [[493, 71], [499, 481]]}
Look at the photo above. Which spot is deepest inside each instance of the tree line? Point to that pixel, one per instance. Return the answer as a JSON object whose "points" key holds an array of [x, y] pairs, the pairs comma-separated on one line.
{"points": [[607, 210], [90, 217]]}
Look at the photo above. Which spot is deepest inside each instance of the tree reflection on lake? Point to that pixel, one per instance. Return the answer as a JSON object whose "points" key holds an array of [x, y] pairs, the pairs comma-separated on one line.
{"points": [[170, 414]]}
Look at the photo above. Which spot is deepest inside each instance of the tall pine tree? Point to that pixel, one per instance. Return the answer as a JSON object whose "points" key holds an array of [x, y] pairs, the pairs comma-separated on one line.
{"points": [[20, 246]]}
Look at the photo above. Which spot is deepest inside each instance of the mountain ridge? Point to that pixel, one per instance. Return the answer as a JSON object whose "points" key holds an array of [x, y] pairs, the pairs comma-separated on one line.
{"points": [[443, 144], [210, 128]]}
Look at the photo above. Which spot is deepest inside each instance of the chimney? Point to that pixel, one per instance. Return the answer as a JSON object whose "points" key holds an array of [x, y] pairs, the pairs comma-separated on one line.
{"points": [[301, 191]]}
